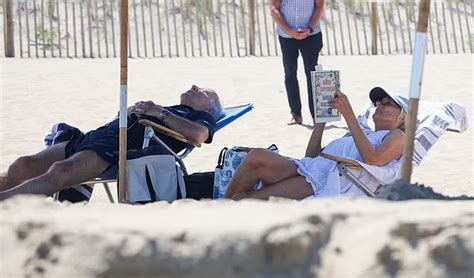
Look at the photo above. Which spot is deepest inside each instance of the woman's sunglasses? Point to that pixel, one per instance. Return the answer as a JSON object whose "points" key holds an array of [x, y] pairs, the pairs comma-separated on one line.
{"points": [[385, 101]]}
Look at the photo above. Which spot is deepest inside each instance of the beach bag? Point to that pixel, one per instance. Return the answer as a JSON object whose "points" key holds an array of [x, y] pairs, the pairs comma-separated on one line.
{"points": [[228, 162], [199, 185], [154, 178]]}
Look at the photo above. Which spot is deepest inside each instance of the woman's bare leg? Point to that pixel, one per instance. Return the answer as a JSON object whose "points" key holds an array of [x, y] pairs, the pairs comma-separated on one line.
{"points": [[294, 188], [30, 166], [260, 164]]}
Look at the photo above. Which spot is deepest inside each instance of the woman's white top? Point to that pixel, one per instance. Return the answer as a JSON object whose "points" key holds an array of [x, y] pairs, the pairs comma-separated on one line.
{"points": [[323, 174]]}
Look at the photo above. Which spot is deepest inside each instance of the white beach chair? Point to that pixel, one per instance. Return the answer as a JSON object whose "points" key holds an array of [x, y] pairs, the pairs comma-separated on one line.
{"points": [[432, 121]]}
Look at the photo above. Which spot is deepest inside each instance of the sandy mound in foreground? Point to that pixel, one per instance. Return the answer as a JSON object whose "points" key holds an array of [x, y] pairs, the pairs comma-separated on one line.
{"points": [[281, 238]]}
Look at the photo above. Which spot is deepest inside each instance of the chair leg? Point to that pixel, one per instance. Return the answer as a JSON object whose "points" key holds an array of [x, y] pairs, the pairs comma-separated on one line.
{"points": [[109, 193]]}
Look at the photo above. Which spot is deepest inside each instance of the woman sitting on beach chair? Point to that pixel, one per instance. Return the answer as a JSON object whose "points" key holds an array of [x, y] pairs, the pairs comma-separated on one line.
{"points": [[318, 176], [85, 156]]}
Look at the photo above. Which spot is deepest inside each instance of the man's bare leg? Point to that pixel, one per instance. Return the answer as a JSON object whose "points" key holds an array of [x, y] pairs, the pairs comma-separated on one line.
{"points": [[77, 169], [260, 164], [30, 166]]}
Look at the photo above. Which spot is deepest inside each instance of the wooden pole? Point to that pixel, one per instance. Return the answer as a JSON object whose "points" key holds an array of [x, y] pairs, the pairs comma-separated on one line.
{"points": [[373, 25], [415, 88], [123, 101], [8, 29]]}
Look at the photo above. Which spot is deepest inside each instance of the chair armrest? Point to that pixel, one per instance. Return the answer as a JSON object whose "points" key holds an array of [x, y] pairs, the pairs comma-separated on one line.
{"points": [[167, 131], [348, 162]]}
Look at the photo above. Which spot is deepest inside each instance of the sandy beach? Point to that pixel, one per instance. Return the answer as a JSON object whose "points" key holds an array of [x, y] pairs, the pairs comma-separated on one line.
{"points": [[419, 239]]}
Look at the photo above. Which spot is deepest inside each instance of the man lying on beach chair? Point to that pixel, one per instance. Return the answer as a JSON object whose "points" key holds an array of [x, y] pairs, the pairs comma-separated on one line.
{"points": [[196, 186], [86, 156], [317, 176]]}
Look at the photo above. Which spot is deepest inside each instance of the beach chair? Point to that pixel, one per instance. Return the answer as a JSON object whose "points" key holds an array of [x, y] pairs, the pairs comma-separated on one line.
{"points": [[230, 114], [432, 121]]}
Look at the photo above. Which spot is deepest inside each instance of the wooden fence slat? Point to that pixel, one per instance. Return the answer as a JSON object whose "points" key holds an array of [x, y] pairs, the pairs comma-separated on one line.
{"points": [[198, 26], [168, 36], [113, 27], [348, 27], [431, 34], [356, 31], [73, 4], [445, 29], [460, 27], [408, 26], [467, 25], [219, 10], [150, 13], [175, 29], [66, 15], [59, 28], [20, 29], [135, 21], [379, 26], [324, 25], [211, 15], [266, 27], [452, 24], [242, 10], [190, 26], [27, 23], [104, 14], [228, 26], [386, 29], [340, 28], [401, 28], [392, 22], [259, 33], [83, 36], [159, 27], [183, 25], [333, 29], [365, 31], [142, 9], [437, 25], [97, 28], [204, 21], [89, 20], [236, 33], [51, 8], [36, 28]]}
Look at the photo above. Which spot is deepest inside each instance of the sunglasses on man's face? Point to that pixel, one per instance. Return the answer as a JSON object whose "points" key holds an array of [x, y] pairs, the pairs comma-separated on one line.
{"points": [[385, 101]]}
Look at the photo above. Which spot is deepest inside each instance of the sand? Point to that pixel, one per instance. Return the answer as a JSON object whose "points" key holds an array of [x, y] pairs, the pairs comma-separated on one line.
{"points": [[330, 238]]}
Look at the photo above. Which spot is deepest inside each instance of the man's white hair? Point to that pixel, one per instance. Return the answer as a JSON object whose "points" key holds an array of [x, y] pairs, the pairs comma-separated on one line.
{"points": [[217, 108]]}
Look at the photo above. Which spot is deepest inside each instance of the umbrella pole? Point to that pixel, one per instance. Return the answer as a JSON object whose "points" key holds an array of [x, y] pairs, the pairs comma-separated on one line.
{"points": [[415, 88], [122, 185]]}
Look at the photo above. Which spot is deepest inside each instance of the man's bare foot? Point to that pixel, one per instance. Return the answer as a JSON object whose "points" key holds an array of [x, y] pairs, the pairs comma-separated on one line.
{"points": [[295, 120]]}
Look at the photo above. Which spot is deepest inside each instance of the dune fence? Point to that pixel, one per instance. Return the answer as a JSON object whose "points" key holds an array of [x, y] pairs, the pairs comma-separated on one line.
{"points": [[222, 28]]}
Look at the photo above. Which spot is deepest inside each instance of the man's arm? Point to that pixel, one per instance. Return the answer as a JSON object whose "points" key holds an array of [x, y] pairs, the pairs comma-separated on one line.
{"points": [[195, 132], [318, 13], [281, 22]]}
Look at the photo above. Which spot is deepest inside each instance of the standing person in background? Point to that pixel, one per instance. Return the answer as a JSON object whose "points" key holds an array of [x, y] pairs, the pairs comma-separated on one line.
{"points": [[298, 30]]}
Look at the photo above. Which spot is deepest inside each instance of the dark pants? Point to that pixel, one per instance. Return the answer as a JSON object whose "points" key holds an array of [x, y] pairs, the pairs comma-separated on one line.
{"points": [[309, 48]]}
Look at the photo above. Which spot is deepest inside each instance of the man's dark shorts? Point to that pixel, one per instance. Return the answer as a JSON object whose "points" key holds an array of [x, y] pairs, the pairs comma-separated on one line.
{"points": [[104, 141]]}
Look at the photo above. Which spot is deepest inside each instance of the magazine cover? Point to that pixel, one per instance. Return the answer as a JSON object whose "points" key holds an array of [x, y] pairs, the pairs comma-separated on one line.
{"points": [[325, 83]]}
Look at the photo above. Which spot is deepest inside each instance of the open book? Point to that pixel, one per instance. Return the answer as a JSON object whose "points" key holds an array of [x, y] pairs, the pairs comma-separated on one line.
{"points": [[325, 83]]}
